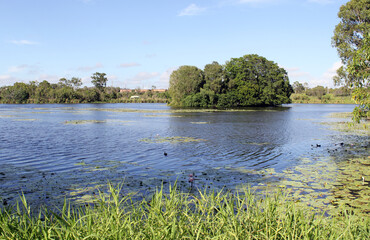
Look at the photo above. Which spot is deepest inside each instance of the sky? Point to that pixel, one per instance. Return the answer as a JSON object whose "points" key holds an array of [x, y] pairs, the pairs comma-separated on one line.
{"points": [[139, 43]]}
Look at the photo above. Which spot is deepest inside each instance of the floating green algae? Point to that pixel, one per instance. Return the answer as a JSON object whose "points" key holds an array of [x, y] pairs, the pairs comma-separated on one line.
{"points": [[84, 121], [25, 119], [346, 125], [257, 143], [75, 122], [164, 116], [176, 139], [324, 184], [7, 116], [340, 115]]}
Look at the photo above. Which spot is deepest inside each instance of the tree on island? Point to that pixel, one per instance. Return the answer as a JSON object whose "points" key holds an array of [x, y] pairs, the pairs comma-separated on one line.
{"points": [[351, 38], [184, 82], [250, 80]]}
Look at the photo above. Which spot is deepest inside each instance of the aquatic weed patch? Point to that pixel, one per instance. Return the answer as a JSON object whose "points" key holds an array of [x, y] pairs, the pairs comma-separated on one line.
{"points": [[164, 116], [25, 119], [76, 122], [324, 184], [200, 122], [176, 139], [343, 123]]}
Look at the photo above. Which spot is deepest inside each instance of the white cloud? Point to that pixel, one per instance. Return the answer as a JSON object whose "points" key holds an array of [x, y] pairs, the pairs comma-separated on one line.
{"points": [[326, 79], [164, 79], [48, 77], [23, 42], [294, 73], [142, 76], [331, 72], [18, 68], [191, 10], [31, 69], [8, 80], [90, 68], [127, 65], [152, 55], [112, 77]]}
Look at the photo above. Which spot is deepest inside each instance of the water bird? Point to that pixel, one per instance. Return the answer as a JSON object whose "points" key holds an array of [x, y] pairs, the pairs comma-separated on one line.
{"points": [[165, 153], [318, 145], [192, 179]]}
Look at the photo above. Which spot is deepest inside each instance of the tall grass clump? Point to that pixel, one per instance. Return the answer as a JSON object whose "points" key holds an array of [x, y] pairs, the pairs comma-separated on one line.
{"points": [[176, 215]]}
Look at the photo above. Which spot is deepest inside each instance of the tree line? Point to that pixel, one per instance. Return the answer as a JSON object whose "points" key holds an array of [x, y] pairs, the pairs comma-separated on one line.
{"points": [[70, 91], [250, 80], [320, 91]]}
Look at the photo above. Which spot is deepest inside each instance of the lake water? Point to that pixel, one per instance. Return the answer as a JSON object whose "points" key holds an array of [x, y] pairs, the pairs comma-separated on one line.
{"points": [[49, 152]]}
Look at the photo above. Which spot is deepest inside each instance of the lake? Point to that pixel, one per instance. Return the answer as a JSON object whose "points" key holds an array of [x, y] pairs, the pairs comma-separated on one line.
{"points": [[53, 151]]}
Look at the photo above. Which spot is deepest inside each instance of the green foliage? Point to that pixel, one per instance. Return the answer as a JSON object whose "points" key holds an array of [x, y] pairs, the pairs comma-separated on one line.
{"points": [[214, 78], [99, 80], [317, 91], [18, 93], [73, 82], [183, 82], [176, 215], [354, 25], [247, 81], [68, 91], [360, 68], [298, 87], [352, 40], [341, 92]]}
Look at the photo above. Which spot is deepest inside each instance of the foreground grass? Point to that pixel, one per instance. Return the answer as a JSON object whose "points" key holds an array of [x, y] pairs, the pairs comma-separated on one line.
{"points": [[180, 216]]}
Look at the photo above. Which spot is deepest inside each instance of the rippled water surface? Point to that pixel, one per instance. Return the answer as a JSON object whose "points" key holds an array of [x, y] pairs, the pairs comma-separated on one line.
{"points": [[54, 151]]}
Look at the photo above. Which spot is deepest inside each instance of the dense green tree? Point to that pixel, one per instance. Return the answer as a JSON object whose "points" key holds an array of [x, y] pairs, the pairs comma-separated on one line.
{"points": [[214, 77], [341, 92], [354, 25], [350, 40], [348, 37], [247, 81], [298, 87], [185, 81], [254, 81], [89, 94], [317, 91], [99, 80], [360, 68], [18, 93], [73, 82], [44, 92]]}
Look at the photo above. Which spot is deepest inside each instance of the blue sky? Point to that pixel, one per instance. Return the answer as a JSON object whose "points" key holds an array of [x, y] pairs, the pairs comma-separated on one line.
{"points": [[139, 43]]}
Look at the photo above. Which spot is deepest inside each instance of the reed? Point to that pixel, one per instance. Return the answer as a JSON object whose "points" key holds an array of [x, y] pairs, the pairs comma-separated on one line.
{"points": [[177, 215]]}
